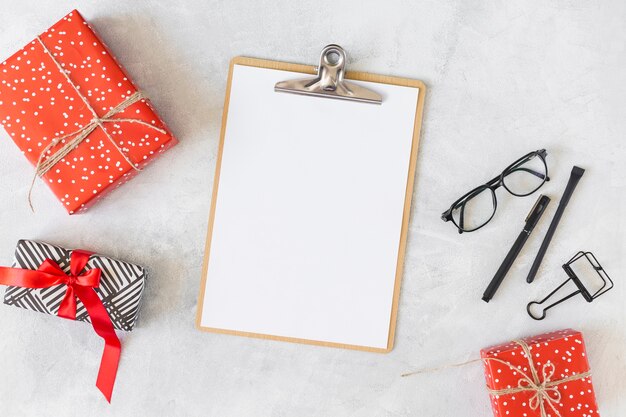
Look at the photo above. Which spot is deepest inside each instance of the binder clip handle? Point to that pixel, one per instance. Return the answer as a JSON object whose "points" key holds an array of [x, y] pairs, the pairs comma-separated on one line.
{"points": [[529, 308]]}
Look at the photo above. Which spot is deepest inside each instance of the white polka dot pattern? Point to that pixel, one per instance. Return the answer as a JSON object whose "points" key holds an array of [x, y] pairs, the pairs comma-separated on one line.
{"points": [[37, 104], [565, 349]]}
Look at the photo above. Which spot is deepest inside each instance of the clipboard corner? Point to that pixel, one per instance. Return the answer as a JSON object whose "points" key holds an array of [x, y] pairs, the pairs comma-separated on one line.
{"points": [[238, 60], [389, 348], [198, 321]]}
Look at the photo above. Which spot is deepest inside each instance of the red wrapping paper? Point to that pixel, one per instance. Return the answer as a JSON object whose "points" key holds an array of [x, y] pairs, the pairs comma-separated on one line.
{"points": [[38, 103], [565, 351]]}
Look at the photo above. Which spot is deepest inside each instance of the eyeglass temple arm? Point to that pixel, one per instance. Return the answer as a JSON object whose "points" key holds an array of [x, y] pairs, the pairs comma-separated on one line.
{"points": [[494, 181], [535, 173]]}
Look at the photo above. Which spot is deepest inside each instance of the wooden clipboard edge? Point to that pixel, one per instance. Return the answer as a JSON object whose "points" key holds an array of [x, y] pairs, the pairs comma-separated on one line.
{"points": [[292, 339], [406, 215], [216, 180], [359, 76]]}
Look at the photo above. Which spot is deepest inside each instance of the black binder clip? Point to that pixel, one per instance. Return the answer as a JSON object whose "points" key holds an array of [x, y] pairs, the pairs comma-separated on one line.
{"points": [[605, 284]]}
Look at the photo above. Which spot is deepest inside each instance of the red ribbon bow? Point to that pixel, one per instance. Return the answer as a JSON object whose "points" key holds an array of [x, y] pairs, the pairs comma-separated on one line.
{"points": [[82, 286]]}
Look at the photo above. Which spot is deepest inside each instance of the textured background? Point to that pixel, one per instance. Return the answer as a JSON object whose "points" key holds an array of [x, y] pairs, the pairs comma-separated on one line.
{"points": [[503, 80]]}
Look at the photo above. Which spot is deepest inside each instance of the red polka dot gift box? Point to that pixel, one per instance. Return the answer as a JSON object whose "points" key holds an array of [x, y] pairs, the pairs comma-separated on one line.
{"points": [[76, 115], [542, 376]]}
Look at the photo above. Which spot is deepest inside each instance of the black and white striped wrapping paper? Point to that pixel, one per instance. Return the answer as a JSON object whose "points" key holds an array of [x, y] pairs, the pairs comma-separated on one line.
{"points": [[121, 284]]}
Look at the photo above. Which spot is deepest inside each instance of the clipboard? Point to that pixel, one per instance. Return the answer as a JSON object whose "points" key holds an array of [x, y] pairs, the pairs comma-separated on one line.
{"points": [[310, 204]]}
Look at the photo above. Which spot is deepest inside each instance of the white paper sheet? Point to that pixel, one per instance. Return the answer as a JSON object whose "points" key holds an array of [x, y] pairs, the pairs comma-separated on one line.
{"points": [[308, 215]]}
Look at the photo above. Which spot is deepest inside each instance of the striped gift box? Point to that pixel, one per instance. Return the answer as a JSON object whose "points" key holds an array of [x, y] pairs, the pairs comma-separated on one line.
{"points": [[121, 284]]}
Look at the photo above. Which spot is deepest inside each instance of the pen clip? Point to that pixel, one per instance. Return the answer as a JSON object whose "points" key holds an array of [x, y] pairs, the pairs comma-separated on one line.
{"points": [[537, 207], [536, 212]]}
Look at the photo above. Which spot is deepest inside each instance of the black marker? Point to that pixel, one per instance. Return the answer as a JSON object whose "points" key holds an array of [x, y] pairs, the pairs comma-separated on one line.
{"points": [[531, 221], [574, 177]]}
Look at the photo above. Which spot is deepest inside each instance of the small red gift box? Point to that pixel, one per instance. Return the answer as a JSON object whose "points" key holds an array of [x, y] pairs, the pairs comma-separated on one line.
{"points": [[76, 115], [542, 376]]}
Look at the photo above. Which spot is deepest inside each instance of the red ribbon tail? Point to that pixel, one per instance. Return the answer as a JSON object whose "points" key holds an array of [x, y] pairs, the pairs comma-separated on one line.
{"points": [[104, 328], [67, 308], [108, 369]]}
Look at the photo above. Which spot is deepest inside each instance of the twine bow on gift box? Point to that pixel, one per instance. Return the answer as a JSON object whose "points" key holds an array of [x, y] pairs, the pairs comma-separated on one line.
{"points": [[71, 140], [545, 391], [79, 285]]}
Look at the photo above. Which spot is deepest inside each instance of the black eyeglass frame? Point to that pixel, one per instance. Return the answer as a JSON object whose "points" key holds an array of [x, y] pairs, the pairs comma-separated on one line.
{"points": [[493, 185]]}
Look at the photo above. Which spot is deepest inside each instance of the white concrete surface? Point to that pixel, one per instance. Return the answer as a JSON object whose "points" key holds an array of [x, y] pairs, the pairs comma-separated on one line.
{"points": [[503, 79]]}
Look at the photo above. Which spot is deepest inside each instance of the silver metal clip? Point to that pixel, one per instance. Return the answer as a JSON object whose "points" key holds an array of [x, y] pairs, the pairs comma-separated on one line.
{"points": [[330, 81]]}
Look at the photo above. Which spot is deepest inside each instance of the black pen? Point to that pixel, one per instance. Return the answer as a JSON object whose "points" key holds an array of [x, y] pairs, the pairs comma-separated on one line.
{"points": [[531, 221], [575, 176]]}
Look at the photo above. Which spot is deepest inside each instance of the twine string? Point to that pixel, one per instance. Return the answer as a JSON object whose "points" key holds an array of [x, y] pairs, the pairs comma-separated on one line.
{"points": [[440, 368]]}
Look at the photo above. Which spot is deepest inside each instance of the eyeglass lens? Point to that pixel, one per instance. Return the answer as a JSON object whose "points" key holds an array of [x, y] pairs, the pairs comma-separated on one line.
{"points": [[526, 177], [476, 210]]}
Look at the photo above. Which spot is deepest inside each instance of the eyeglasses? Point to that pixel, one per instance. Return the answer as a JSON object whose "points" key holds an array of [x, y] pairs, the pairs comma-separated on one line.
{"points": [[476, 208]]}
